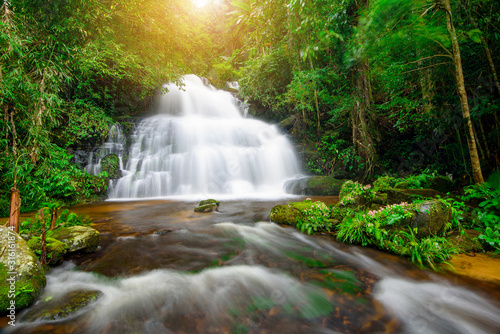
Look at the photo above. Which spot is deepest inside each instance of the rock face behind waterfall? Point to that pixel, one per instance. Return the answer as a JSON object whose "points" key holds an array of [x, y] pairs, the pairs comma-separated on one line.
{"points": [[200, 144]]}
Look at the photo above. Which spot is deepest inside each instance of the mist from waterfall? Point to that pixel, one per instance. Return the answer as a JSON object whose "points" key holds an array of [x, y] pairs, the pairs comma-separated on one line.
{"points": [[199, 144]]}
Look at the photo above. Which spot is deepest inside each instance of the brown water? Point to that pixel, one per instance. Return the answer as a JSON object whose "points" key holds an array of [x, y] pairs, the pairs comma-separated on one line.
{"points": [[162, 268]]}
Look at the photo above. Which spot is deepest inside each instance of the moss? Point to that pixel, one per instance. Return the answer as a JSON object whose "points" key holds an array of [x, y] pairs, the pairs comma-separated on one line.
{"points": [[62, 307], [289, 213], [78, 238], [29, 275], [323, 186], [466, 242], [206, 208], [209, 201], [55, 249]]}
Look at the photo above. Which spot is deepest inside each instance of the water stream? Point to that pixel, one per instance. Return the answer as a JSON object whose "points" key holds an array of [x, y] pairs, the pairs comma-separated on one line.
{"points": [[162, 268]]}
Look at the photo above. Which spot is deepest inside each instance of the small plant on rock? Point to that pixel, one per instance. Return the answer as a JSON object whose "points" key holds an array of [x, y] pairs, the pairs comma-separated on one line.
{"points": [[315, 219], [353, 192]]}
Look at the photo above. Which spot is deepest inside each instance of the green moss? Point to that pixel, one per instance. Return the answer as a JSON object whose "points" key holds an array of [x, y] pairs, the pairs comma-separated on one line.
{"points": [[466, 242], [78, 238], [206, 208], [62, 307], [209, 201], [289, 213], [323, 186], [55, 249]]}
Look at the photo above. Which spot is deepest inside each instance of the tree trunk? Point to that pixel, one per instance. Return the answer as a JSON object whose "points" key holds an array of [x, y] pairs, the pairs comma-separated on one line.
{"points": [[15, 207], [362, 138], [53, 219], [459, 75]]}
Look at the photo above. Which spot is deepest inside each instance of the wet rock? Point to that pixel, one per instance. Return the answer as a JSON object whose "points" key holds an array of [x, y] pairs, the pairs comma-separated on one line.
{"points": [[78, 238], [55, 249], [111, 164], [290, 213], [314, 186], [61, 307], [27, 271]]}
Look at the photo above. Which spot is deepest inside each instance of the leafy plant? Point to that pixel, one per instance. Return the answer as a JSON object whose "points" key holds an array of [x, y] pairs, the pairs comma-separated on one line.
{"points": [[316, 218], [353, 192]]}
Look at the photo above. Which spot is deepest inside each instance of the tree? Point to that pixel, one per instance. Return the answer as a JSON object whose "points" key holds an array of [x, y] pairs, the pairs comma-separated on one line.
{"points": [[457, 60]]}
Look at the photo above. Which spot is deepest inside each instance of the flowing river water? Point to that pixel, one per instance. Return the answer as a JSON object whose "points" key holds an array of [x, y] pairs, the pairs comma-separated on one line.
{"points": [[162, 268]]}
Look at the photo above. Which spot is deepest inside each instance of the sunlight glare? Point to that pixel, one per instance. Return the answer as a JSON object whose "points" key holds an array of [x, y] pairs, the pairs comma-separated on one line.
{"points": [[200, 3]]}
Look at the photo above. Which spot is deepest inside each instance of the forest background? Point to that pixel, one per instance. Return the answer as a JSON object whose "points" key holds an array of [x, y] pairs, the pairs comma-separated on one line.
{"points": [[369, 88]]}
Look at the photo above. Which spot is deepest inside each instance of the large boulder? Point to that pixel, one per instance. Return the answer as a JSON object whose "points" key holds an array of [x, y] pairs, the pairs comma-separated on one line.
{"points": [[314, 186], [77, 238], [55, 249], [61, 307], [21, 274]]}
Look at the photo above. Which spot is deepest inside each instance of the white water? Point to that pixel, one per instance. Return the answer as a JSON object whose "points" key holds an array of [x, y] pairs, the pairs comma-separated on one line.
{"points": [[200, 144]]}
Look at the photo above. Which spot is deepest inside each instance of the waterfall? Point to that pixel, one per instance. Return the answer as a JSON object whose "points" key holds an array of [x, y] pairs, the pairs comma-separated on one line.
{"points": [[114, 144], [198, 143]]}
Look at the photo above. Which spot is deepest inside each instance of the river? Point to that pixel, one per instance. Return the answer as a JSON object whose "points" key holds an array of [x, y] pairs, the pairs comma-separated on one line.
{"points": [[162, 268]]}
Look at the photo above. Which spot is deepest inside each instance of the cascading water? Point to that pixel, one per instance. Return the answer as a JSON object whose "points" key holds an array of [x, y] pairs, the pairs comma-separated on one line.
{"points": [[199, 144]]}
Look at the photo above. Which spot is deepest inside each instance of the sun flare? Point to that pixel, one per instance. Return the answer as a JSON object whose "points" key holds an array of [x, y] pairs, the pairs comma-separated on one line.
{"points": [[201, 3]]}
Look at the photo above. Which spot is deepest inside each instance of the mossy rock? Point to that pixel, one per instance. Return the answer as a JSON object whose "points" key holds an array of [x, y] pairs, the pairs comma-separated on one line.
{"points": [[61, 307], [209, 201], [396, 196], [287, 123], [314, 186], [290, 213], [55, 249], [466, 242], [78, 238], [27, 270], [430, 217], [206, 208], [111, 164]]}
